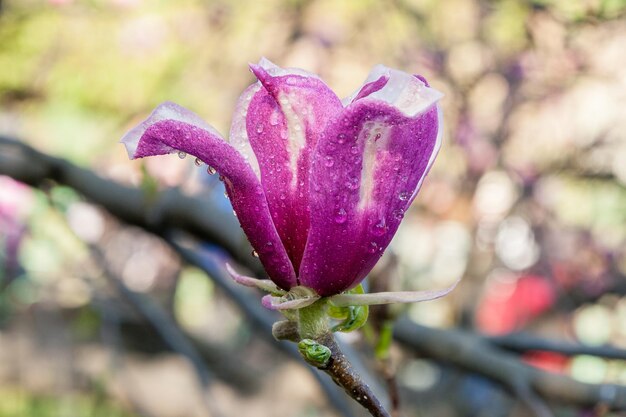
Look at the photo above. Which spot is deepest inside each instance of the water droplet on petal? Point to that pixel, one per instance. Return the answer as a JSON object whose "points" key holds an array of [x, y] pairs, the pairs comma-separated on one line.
{"points": [[210, 170], [182, 154], [274, 118], [329, 161], [398, 214], [269, 247], [283, 196], [372, 247], [197, 162], [341, 138], [354, 150], [341, 216], [380, 228], [352, 183], [403, 196], [259, 128], [255, 254]]}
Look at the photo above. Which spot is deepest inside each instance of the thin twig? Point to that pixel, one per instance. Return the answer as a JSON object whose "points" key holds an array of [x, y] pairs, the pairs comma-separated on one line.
{"points": [[342, 372], [338, 368]]}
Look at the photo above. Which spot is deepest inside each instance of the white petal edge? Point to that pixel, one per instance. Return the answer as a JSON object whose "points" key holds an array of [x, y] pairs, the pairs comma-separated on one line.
{"points": [[238, 136], [277, 71], [376, 72], [346, 300], [403, 91], [164, 111], [278, 303], [433, 155], [262, 284]]}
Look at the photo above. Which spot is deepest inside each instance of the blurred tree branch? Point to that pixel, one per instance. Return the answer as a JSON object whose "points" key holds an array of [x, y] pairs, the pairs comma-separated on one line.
{"points": [[173, 211], [475, 354]]}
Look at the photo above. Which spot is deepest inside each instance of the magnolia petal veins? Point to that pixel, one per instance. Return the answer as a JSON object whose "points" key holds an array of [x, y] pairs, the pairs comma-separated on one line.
{"points": [[319, 186]]}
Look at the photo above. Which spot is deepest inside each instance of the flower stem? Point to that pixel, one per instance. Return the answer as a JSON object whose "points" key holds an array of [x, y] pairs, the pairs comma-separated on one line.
{"points": [[313, 321]]}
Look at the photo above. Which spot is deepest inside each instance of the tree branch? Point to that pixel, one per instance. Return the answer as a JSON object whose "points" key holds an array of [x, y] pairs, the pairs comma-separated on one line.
{"points": [[172, 210], [522, 342], [474, 354]]}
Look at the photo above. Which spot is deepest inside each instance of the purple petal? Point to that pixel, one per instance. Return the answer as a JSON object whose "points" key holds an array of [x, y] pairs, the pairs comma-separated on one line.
{"points": [[381, 149], [285, 116], [171, 128]]}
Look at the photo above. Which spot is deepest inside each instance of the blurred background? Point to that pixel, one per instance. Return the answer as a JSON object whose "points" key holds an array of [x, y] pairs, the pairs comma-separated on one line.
{"points": [[526, 201]]}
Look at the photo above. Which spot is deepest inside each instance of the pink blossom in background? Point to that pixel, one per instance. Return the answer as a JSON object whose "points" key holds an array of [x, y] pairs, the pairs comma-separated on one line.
{"points": [[319, 185], [16, 200]]}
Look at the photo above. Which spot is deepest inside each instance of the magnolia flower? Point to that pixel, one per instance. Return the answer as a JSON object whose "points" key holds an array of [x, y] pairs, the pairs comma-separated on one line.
{"points": [[319, 185]]}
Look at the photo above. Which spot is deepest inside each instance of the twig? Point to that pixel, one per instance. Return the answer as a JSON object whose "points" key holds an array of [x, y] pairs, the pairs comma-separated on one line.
{"points": [[522, 342], [338, 368], [342, 372]]}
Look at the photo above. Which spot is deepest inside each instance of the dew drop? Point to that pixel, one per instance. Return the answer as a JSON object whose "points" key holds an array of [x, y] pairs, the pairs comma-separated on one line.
{"points": [[259, 128], [354, 150], [274, 118], [372, 247], [398, 214], [379, 228], [269, 247], [210, 170], [341, 216], [352, 183], [255, 254], [329, 161], [341, 138], [283, 196], [182, 155], [197, 162], [403, 196]]}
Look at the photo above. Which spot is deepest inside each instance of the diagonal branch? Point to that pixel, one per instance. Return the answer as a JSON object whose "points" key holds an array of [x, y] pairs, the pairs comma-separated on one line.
{"points": [[472, 353], [172, 210]]}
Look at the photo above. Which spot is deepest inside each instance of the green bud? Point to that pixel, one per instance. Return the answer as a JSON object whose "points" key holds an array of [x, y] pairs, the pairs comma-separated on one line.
{"points": [[314, 353], [355, 319]]}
